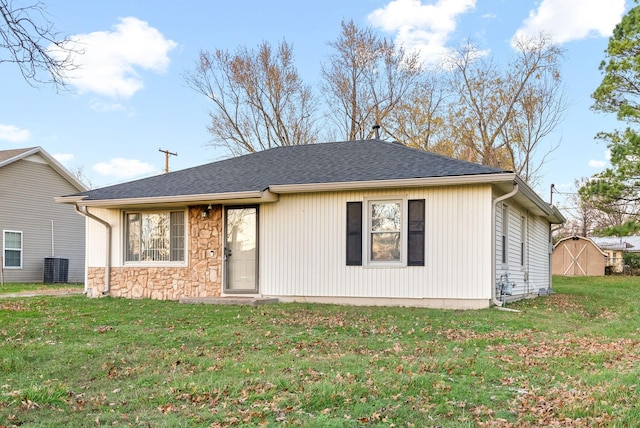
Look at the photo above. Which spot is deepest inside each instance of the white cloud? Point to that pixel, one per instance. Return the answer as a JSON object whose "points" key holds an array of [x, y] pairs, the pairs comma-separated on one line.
{"points": [[567, 20], [422, 27], [102, 107], [63, 157], [108, 61], [123, 168], [13, 134], [598, 163]]}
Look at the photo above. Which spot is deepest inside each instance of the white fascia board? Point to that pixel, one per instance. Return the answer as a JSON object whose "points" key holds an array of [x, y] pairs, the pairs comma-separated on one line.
{"points": [[252, 197], [551, 212], [22, 155], [396, 183]]}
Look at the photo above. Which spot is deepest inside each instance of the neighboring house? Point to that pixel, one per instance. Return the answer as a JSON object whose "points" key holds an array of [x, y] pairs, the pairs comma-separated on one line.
{"points": [[33, 226], [578, 256], [364, 222], [615, 247]]}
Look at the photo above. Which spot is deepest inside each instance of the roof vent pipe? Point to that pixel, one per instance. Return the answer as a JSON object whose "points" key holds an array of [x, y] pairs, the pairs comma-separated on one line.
{"points": [[376, 129]]}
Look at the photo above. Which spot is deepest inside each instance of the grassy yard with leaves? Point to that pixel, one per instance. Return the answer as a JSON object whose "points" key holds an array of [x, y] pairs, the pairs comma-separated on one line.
{"points": [[8, 288], [569, 359]]}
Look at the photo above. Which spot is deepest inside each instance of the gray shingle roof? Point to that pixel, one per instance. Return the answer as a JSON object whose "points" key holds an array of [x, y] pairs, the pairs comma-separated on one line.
{"points": [[351, 161], [626, 243]]}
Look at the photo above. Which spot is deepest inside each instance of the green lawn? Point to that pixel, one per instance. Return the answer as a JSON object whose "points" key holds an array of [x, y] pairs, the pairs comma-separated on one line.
{"points": [[570, 359]]}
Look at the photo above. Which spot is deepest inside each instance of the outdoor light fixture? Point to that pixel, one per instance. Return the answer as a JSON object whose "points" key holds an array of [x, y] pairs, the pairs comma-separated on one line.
{"points": [[205, 211]]}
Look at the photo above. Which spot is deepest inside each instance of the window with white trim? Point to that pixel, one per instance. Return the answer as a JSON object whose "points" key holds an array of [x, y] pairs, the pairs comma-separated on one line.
{"points": [[505, 233], [385, 232], [523, 239], [157, 236], [12, 249]]}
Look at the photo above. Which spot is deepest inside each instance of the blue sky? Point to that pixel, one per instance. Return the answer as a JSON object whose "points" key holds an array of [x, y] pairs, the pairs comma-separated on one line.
{"points": [[130, 99]]}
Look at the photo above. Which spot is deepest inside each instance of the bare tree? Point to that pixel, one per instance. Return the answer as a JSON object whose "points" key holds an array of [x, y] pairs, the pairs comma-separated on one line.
{"points": [[30, 41], [537, 113], [79, 173], [419, 120], [501, 117], [365, 80], [259, 100], [586, 216], [582, 217]]}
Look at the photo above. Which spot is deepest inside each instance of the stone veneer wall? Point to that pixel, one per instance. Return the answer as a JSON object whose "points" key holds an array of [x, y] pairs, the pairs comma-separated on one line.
{"points": [[201, 278]]}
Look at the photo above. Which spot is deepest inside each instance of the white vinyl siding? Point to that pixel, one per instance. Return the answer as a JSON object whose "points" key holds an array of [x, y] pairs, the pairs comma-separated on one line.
{"points": [[303, 247], [529, 271], [97, 238], [539, 254]]}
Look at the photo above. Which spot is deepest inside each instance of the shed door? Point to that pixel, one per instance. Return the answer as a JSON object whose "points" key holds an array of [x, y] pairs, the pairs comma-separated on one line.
{"points": [[576, 257], [241, 250]]}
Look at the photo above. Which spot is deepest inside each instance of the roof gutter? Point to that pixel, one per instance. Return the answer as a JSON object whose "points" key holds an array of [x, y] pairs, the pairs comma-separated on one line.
{"points": [[393, 183], [107, 269], [550, 211], [257, 196], [494, 206]]}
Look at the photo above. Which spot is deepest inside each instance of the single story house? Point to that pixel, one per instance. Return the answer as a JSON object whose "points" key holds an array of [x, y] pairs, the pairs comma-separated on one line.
{"points": [[41, 240], [578, 256], [615, 247], [362, 222]]}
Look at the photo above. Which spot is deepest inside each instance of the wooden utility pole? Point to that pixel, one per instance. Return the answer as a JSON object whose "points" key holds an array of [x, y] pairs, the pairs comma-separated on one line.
{"points": [[167, 153]]}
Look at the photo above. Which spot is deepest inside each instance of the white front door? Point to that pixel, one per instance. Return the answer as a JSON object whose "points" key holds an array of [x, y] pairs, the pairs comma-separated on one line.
{"points": [[241, 249]]}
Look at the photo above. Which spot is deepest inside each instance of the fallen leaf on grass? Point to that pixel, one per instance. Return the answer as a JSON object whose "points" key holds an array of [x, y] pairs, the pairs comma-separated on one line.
{"points": [[12, 306], [167, 408]]}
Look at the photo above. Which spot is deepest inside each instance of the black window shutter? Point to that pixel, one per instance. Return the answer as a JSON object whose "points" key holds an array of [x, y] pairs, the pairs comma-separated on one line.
{"points": [[354, 233], [415, 241]]}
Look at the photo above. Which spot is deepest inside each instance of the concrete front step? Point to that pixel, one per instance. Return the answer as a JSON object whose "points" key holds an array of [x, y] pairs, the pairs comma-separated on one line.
{"points": [[252, 301]]}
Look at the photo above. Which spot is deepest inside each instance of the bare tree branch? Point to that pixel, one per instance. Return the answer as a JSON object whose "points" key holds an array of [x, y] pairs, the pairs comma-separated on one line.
{"points": [[259, 100], [30, 41], [365, 79], [501, 116]]}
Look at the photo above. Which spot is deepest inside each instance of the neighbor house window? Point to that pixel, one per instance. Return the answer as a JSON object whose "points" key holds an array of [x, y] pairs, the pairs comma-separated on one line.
{"points": [[12, 244], [155, 236], [393, 232]]}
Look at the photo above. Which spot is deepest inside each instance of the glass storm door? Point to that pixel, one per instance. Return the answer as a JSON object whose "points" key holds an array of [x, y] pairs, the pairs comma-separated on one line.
{"points": [[241, 250]]}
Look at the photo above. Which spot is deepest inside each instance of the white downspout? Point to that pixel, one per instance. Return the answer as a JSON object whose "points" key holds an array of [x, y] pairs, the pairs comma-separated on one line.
{"points": [[496, 201], [107, 268]]}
